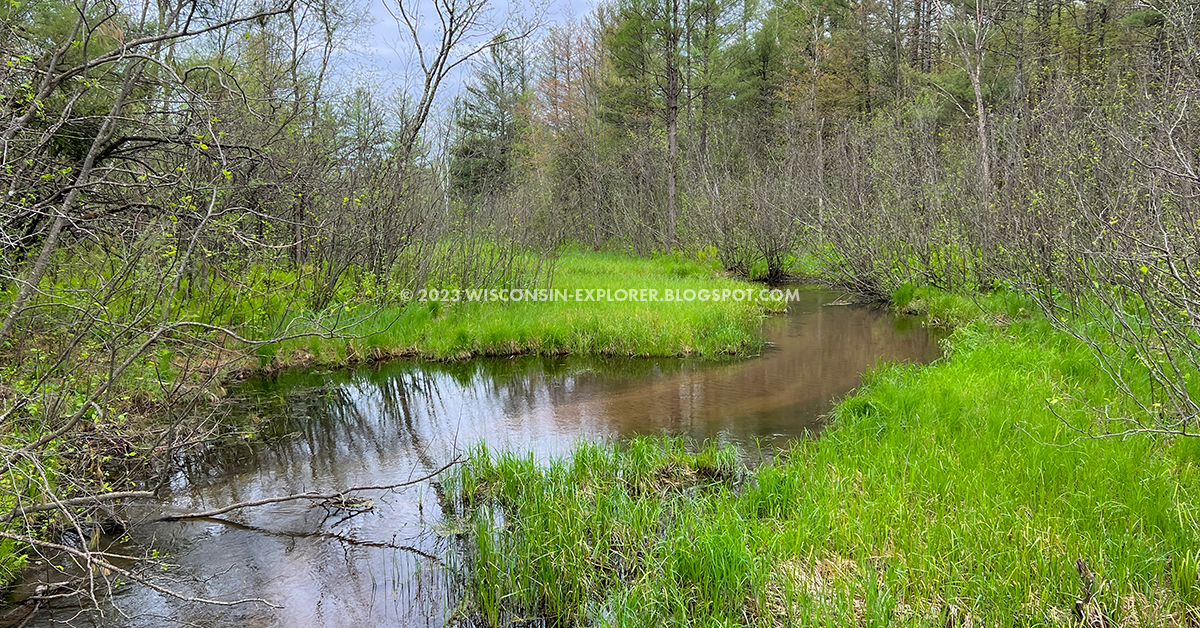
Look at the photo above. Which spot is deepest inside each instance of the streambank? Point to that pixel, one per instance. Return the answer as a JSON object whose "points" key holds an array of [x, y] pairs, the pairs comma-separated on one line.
{"points": [[591, 315], [959, 493], [126, 426], [326, 429]]}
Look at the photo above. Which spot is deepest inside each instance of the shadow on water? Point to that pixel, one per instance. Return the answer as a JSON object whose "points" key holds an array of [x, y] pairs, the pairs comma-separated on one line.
{"points": [[395, 565]]}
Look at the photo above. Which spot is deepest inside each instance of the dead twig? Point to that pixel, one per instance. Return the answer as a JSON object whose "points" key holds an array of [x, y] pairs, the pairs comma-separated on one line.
{"points": [[92, 558], [86, 500], [313, 496]]}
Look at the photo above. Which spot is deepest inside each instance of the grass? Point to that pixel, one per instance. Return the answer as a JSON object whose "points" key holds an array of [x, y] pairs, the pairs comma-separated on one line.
{"points": [[438, 330], [952, 494], [371, 326], [458, 330]]}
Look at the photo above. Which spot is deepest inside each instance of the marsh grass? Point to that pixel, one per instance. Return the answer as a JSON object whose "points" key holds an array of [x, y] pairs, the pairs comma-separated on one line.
{"points": [[458, 330], [372, 325], [265, 300], [953, 494]]}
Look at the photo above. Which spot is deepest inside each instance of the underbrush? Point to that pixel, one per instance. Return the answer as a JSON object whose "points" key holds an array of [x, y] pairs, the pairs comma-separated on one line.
{"points": [[369, 320]]}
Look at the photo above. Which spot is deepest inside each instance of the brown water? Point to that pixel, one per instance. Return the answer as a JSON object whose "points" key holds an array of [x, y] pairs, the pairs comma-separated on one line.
{"points": [[396, 565]]}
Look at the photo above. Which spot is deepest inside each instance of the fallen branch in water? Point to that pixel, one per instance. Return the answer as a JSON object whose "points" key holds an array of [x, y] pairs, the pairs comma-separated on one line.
{"points": [[331, 537], [87, 500], [93, 558], [320, 497]]}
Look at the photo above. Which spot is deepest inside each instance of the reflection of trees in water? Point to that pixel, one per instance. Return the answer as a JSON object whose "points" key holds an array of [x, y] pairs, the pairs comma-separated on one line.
{"points": [[325, 423], [329, 429], [815, 357], [351, 421], [359, 424], [365, 413]]}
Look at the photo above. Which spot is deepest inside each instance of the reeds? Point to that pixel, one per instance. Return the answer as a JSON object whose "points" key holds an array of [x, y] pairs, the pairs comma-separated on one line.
{"points": [[953, 494], [458, 330]]}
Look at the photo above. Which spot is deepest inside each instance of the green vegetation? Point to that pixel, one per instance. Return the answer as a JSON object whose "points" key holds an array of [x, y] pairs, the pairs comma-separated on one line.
{"points": [[951, 494], [446, 329], [371, 325], [173, 192], [12, 560], [433, 329]]}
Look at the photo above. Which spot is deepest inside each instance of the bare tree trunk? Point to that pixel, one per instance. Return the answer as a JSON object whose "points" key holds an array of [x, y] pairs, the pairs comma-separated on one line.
{"points": [[672, 102], [672, 167], [820, 159], [459, 21], [707, 67], [973, 54], [298, 232], [29, 285], [981, 124]]}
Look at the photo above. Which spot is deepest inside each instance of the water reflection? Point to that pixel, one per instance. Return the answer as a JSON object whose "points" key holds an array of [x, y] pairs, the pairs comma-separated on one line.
{"points": [[328, 430]]}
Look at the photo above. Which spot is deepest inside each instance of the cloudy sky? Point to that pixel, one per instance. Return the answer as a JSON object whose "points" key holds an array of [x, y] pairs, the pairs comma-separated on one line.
{"points": [[383, 55]]}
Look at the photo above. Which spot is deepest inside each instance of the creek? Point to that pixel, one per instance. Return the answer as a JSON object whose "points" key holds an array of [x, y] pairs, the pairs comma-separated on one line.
{"points": [[396, 564]]}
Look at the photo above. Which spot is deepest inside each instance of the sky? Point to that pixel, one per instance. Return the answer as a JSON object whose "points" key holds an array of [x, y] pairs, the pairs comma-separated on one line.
{"points": [[382, 55]]}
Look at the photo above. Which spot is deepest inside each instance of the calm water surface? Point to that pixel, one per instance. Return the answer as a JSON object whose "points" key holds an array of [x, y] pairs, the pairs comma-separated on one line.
{"points": [[395, 566]]}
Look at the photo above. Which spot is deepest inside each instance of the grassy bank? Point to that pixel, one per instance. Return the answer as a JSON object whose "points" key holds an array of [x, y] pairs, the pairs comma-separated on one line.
{"points": [[435, 329], [445, 329], [954, 494], [362, 325]]}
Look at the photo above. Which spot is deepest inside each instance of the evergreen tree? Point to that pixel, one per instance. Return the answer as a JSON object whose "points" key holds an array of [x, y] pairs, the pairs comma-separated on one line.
{"points": [[490, 121]]}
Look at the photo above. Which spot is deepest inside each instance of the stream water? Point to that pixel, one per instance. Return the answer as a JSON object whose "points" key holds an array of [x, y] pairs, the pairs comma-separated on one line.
{"points": [[395, 565]]}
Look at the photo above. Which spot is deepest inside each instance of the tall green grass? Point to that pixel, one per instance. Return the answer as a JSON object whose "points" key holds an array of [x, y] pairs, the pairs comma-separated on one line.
{"points": [[264, 300], [456, 330], [952, 494]]}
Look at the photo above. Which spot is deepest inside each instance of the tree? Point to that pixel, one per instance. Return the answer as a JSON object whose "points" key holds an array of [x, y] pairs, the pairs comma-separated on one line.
{"points": [[491, 120], [461, 24], [182, 194], [645, 48], [568, 124], [970, 29], [110, 76]]}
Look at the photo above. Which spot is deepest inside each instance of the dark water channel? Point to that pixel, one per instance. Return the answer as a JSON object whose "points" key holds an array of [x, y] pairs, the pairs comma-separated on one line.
{"points": [[394, 566]]}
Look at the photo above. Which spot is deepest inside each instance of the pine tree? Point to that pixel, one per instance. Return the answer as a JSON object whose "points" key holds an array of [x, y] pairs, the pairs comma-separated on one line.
{"points": [[490, 121]]}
